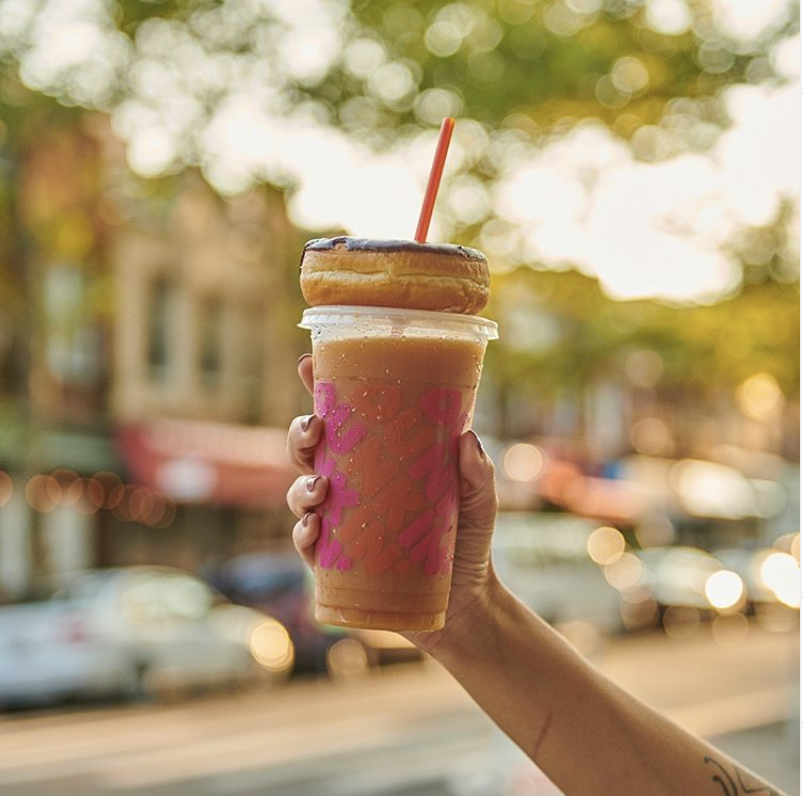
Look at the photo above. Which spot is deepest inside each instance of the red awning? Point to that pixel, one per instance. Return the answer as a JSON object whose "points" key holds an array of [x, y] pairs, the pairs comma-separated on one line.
{"points": [[213, 463]]}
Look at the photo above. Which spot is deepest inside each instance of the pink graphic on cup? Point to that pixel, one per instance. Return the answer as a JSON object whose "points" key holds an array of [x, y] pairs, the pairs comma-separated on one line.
{"points": [[405, 513]]}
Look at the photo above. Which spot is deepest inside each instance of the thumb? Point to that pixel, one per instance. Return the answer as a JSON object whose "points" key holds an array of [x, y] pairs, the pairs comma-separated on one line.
{"points": [[479, 502]]}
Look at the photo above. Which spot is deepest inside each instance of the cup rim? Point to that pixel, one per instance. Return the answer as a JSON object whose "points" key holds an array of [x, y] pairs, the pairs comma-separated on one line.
{"points": [[332, 315]]}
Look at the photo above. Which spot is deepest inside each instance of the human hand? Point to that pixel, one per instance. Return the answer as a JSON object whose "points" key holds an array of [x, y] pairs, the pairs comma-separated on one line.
{"points": [[472, 571]]}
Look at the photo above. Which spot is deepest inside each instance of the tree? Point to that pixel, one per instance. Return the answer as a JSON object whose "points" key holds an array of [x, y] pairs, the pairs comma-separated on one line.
{"points": [[384, 71]]}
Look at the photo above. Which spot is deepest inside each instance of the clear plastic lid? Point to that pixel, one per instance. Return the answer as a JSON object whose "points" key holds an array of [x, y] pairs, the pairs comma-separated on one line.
{"points": [[358, 320]]}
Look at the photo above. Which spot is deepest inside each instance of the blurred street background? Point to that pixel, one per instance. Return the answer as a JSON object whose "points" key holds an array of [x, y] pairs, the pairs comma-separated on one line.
{"points": [[631, 169]]}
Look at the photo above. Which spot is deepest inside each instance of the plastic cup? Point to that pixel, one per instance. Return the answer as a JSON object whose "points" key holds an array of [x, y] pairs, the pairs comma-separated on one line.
{"points": [[396, 389]]}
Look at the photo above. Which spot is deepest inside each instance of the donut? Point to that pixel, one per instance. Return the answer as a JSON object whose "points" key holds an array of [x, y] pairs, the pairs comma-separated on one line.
{"points": [[394, 273]]}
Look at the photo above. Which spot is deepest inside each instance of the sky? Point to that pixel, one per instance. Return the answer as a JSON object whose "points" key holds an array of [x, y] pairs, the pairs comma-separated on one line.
{"points": [[649, 219]]}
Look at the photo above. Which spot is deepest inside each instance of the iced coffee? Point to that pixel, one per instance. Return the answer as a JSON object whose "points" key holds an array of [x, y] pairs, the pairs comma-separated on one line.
{"points": [[395, 387]]}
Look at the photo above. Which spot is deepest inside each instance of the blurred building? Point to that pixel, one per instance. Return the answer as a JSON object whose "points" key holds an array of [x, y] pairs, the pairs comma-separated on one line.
{"points": [[147, 345], [153, 331], [205, 348], [54, 359]]}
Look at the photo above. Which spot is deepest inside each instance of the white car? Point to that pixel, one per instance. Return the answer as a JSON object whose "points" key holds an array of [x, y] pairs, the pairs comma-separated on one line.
{"points": [[692, 578], [136, 631], [543, 559]]}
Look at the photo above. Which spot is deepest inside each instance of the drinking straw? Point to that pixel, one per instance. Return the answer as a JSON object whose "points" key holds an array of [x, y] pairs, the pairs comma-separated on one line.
{"points": [[435, 179]]}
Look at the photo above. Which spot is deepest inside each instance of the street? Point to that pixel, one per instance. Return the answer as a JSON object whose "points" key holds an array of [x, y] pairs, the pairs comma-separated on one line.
{"points": [[402, 730]]}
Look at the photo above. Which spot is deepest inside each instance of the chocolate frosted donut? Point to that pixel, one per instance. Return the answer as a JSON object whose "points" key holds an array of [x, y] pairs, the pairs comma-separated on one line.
{"points": [[394, 273]]}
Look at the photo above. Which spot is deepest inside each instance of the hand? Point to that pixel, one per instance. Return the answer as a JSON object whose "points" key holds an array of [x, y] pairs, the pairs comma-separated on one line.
{"points": [[472, 572]]}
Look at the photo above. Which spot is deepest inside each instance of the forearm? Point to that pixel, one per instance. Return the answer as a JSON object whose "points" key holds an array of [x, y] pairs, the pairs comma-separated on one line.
{"points": [[584, 732]]}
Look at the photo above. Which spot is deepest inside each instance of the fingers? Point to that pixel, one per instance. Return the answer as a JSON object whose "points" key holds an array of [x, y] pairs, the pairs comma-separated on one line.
{"points": [[303, 436], [305, 534], [478, 493], [307, 492], [304, 431], [306, 371]]}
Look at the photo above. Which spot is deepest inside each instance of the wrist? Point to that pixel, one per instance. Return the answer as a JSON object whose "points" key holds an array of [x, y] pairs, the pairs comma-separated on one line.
{"points": [[469, 625]]}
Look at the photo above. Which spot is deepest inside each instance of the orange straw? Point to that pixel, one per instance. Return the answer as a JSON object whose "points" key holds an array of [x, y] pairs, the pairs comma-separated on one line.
{"points": [[435, 179]]}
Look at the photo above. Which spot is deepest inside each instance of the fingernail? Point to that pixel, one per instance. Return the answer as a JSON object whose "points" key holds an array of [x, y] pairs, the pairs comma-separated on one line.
{"points": [[311, 482], [305, 423], [480, 449], [303, 357], [305, 518]]}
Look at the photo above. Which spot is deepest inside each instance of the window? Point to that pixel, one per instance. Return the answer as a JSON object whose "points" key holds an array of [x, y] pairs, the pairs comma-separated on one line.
{"points": [[73, 348], [155, 597], [254, 351], [184, 598], [9, 379], [211, 341], [160, 299]]}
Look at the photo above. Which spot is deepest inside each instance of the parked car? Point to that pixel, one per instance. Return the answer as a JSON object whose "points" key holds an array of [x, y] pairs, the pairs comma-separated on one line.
{"points": [[134, 631], [772, 577], [281, 585], [543, 558]]}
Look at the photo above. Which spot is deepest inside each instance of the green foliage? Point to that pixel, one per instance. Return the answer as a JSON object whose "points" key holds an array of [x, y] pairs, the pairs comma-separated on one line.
{"points": [[542, 61], [530, 69], [130, 14], [702, 347]]}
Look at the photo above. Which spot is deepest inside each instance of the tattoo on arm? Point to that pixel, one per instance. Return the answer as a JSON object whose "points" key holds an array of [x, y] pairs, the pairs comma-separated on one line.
{"points": [[735, 784]]}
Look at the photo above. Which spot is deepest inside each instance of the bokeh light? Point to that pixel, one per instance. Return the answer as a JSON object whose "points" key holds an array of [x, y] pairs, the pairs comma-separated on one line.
{"points": [[271, 646], [781, 574], [347, 658], [713, 490], [671, 17], [724, 589], [605, 545], [168, 514], [72, 490], [42, 493], [115, 496], [746, 20], [651, 437], [624, 572], [629, 75], [758, 396], [95, 492], [141, 503], [523, 462], [655, 531]]}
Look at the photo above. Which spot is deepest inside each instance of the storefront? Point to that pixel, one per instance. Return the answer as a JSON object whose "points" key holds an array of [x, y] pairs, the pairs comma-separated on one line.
{"points": [[207, 491]]}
